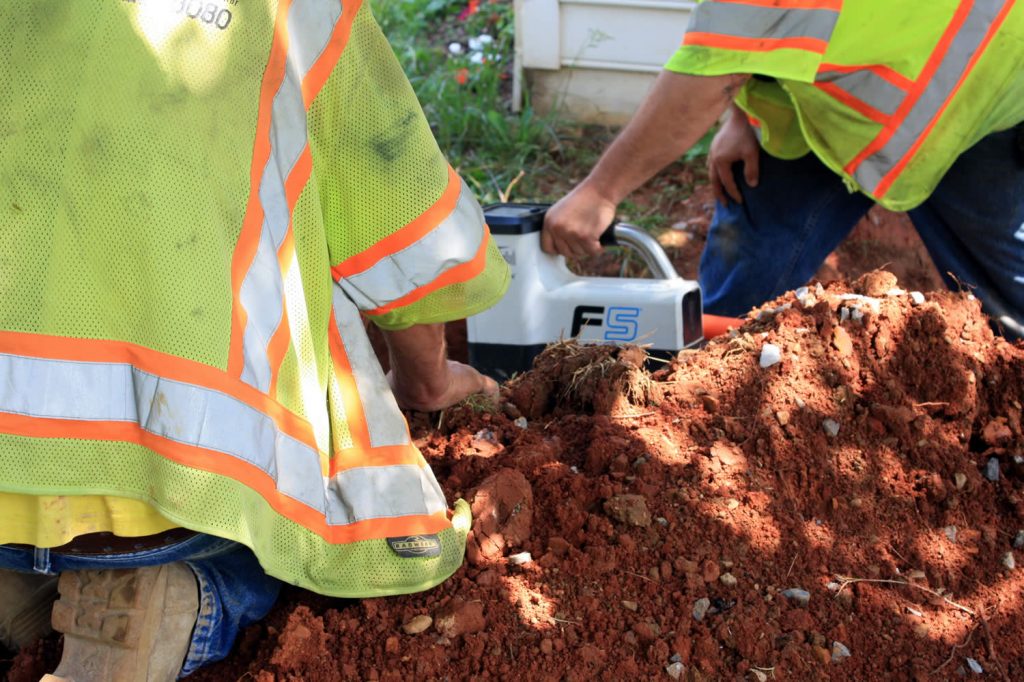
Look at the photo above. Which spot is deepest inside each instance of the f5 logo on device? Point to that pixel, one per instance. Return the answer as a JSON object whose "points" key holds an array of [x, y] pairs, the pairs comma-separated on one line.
{"points": [[620, 323]]}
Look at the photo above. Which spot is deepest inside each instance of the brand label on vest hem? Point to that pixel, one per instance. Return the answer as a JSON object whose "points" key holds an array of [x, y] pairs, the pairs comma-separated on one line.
{"points": [[416, 546]]}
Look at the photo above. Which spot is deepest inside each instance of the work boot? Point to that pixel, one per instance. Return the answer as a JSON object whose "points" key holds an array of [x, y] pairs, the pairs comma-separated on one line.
{"points": [[125, 625], [25, 603]]}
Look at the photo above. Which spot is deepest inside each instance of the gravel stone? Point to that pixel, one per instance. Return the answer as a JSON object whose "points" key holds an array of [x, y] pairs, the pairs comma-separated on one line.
{"points": [[417, 624], [1009, 561], [675, 671], [521, 559], [700, 608], [1018, 542], [950, 533], [975, 666], [992, 469], [839, 652], [728, 579], [521, 422], [916, 297], [798, 596], [831, 427], [770, 355]]}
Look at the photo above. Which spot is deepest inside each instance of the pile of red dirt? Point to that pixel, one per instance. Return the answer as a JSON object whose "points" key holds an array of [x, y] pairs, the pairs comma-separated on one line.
{"points": [[849, 511]]}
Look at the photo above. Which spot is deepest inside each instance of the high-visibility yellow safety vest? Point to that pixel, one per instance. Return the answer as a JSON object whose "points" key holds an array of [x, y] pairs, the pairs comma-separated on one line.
{"points": [[200, 200], [887, 93]]}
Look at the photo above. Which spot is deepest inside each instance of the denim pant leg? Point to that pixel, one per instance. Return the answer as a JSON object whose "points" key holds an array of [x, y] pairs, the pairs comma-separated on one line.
{"points": [[779, 236], [234, 592], [233, 589], [973, 226]]}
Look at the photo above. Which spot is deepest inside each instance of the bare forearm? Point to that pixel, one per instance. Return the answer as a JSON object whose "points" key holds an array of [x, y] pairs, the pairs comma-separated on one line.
{"points": [[422, 377], [674, 116], [418, 360]]}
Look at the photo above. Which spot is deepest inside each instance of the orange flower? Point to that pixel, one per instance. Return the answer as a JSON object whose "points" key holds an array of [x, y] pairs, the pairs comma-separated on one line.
{"points": [[461, 76]]}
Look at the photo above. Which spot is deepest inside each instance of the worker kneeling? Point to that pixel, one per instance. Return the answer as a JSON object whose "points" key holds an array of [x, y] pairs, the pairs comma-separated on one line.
{"points": [[197, 216]]}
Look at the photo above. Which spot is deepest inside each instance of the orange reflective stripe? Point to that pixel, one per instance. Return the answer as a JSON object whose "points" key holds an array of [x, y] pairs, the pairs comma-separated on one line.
{"points": [[350, 399], [726, 42], [463, 272], [835, 5], [890, 177], [324, 66], [216, 463], [407, 235], [312, 84], [159, 364], [931, 66], [849, 100], [389, 455], [894, 78], [248, 239]]}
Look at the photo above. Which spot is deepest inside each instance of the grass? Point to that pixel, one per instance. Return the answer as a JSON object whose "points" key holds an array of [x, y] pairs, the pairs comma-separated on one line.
{"points": [[502, 151], [467, 94]]}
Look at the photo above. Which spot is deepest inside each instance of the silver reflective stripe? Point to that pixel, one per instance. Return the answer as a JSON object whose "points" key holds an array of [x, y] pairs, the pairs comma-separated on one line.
{"points": [[384, 420], [180, 412], [405, 490], [205, 418], [749, 21], [868, 87], [454, 241], [311, 24], [873, 169]]}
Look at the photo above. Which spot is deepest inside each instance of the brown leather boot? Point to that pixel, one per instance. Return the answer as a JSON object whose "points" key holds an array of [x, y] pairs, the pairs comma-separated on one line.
{"points": [[25, 603], [125, 625]]}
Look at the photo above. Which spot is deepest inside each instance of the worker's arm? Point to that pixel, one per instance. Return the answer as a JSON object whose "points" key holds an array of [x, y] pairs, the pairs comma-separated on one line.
{"points": [[422, 377], [674, 116]]}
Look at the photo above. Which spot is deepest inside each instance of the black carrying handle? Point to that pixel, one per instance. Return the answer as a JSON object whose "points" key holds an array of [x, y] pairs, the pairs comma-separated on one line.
{"points": [[607, 237]]}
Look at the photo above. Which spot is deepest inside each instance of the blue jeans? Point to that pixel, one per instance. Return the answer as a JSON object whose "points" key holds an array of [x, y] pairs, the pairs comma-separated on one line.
{"points": [[972, 225], [233, 589]]}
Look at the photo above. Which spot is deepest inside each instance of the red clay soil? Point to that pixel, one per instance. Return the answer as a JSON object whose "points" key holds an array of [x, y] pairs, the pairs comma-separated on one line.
{"points": [[649, 526]]}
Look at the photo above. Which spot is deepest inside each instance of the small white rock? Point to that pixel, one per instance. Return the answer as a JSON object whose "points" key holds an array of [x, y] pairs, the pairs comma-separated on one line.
{"points": [[675, 671], [895, 291], [916, 297], [839, 652], [1010, 561], [728, 579], [418, 624], [520, 559], [798, 596], [915, 612], [521, 422], [700, 608], [834, 587], [975, 666], [844, 314], [857, 315], [1018, 541], [770, 355], [831, 427], [950, 533]]}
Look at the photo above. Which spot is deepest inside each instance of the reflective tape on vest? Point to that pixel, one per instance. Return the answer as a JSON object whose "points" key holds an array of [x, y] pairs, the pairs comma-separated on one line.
{"points": [[217, 423], [876, 167], [311, 25], [803, 28], [384, 420], [456, 240], [864, 86]]}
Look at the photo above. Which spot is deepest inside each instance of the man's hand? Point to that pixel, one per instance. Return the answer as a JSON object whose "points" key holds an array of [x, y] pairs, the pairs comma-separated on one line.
{"points": [[573, 226], [735, 141], [421, 376], [677, 111]]}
